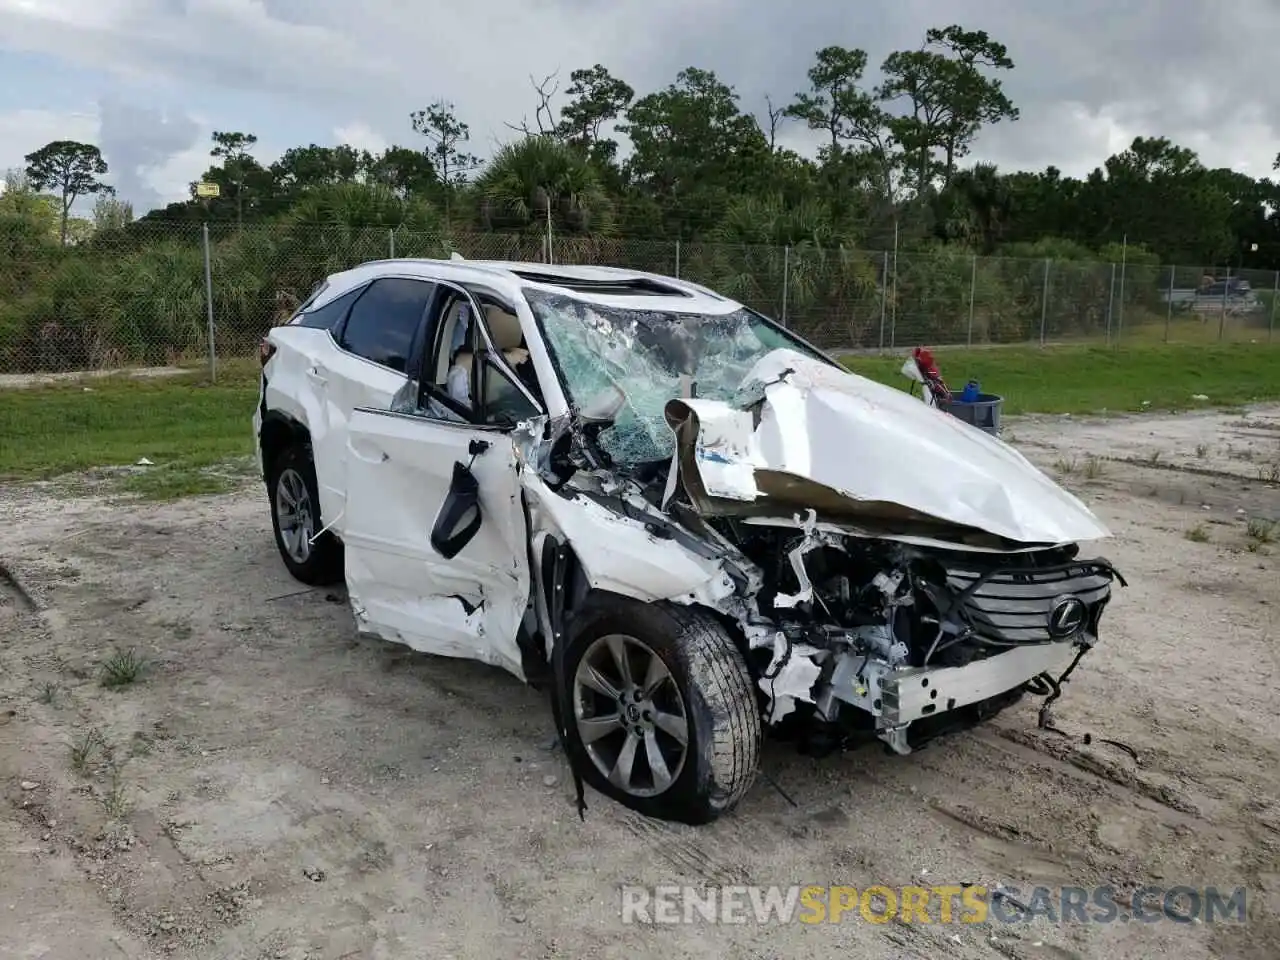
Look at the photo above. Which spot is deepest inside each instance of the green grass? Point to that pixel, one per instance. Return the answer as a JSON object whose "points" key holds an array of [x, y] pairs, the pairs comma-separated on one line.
{"points": [[1093, 379], [184, 425]]}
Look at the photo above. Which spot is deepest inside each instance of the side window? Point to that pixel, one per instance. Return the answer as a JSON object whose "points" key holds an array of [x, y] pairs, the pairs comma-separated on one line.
{"points": [[504, 404], [384, 321], [507, 337], [461, 383], [330, 315], [450, 366]]}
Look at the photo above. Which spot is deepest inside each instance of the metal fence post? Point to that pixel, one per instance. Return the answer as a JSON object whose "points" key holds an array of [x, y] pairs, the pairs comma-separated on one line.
{"points": [[677, 258], [973, 286], [1111, 302], [1044, 301], [391, 238], [1124, 262], [893, 317], [884, 295], [1222, 317], [1275, 295], [786, 280], [1168, 313], [208, 299]]}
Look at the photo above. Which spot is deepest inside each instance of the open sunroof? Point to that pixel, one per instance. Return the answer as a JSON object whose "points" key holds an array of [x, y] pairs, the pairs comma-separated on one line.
{"points": [[621, 287]]}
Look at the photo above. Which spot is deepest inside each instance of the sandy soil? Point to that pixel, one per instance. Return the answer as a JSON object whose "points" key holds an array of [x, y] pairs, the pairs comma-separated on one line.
{"points": [[275, 787]]}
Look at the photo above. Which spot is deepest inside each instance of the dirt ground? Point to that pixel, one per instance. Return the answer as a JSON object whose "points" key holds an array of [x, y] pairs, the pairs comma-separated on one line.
{"points": [[274, 786]]}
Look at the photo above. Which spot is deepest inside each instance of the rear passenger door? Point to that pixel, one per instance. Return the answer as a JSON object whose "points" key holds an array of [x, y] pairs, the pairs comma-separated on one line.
{"points": [[379, 346]]}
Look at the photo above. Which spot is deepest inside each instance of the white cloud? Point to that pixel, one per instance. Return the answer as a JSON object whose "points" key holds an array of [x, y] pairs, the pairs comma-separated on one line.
{"points": [[361, 136], [23, 131]]}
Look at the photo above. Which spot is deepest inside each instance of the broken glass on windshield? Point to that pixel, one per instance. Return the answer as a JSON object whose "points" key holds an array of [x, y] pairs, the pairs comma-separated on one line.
{"points": [[644, 353]]}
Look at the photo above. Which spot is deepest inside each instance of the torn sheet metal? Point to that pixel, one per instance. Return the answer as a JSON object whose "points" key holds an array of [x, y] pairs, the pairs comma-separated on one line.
{"points": [[843, 444], [621, 555], [790, 676], [721, 448]]}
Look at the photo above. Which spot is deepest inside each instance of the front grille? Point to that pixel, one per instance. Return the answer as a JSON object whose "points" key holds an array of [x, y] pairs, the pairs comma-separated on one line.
{"points": [[1013, 605]]}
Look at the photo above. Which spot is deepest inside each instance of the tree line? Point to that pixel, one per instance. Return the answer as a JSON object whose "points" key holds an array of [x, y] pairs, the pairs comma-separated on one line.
{"points": [[595, 162]]}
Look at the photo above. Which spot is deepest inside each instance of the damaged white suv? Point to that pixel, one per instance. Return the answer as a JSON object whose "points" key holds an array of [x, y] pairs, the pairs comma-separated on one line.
{"points": [[683, 520]]}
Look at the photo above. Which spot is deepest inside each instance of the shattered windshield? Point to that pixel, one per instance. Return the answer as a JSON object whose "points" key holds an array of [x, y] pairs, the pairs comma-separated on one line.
{"points": [[644, 353]]}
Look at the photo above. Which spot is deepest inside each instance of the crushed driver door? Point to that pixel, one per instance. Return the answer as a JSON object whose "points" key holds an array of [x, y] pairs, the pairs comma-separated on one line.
{"points": [[399, 469]]}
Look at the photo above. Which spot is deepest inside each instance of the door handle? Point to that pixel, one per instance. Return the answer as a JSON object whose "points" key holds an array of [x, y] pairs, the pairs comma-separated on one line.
{"points": [[368, 453], [316, 377]]}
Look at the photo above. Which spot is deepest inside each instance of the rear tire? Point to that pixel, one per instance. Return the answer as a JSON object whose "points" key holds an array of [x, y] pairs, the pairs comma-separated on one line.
{"points": [[295, 517], [683, 677]]}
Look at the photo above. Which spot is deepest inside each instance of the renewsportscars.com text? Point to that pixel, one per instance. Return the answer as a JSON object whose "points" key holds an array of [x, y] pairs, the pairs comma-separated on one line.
{"points": [[940, 904]]}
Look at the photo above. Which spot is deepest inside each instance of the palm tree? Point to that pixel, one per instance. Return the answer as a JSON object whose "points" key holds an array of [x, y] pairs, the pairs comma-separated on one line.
{"points": [[540, 178], [339, 225], [986, 193], [784, 260]]}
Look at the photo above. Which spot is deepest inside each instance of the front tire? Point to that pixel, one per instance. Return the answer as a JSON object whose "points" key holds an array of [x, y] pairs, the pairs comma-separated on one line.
{"points": [[295, 517], [664, 717]]}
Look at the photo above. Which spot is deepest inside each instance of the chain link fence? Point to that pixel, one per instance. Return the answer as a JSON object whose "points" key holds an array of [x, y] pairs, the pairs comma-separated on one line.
{"points": [[170, 293]]}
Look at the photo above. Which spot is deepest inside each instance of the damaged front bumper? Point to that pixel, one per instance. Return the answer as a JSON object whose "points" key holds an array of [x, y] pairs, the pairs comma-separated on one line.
{"points": [[898, 697]]}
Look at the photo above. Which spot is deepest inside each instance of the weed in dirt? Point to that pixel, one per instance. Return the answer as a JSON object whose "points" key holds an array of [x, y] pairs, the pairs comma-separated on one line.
{"points": [[1154, 457], [115, 799], [49, 693], [1202, 451], [1198, 534], [122, 669], [86, 749], [1270, 473], [1065, 465], [1262, 530], [1093, 468], [174, 483]]}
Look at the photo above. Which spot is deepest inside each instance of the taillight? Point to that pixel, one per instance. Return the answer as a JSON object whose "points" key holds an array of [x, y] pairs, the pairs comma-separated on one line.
{"points": [[265, 350]]}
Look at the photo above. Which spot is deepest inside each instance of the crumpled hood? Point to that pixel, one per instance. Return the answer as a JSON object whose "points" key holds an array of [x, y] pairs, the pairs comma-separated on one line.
{"points": [[850, 447]]}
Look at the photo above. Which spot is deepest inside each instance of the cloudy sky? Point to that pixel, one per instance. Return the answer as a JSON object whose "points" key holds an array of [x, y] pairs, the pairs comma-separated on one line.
{"points": [[148, 80]]}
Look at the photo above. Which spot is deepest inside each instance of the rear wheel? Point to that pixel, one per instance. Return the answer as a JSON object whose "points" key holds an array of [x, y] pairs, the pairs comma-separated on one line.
{"points": [[665, 720], [295, 516]]}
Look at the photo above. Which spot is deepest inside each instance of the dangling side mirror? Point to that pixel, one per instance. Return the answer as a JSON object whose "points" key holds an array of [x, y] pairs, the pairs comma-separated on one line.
{"points": [[459, 518]]}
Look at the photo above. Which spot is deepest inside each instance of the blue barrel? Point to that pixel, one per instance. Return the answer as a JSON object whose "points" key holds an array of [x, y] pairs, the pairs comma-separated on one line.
{"points": [[983, 413]]}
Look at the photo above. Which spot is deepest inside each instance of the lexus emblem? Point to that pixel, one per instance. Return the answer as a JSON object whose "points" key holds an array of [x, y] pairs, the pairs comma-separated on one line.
{"points": [[1067, 617]]}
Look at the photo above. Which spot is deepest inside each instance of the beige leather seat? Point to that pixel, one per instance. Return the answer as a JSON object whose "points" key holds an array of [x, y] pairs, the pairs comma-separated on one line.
{"points": [[507, 336]]}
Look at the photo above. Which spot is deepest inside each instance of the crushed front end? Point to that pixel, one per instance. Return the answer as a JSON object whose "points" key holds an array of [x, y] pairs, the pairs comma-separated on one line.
{"points": [[893, 573], [861, 636]]}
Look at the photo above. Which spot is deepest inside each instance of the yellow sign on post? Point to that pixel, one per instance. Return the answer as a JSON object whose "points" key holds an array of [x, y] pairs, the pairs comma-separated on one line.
{"points": [[207, 189]]}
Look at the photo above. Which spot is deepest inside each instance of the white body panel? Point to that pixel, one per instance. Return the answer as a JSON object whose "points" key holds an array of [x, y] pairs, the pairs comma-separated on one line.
{"points": [[317, 383], [398, 470], [875, 444]]}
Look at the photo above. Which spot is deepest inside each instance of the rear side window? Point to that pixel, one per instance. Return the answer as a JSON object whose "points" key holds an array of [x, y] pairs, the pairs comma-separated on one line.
{"points": [[330, 315], [382, 324]]}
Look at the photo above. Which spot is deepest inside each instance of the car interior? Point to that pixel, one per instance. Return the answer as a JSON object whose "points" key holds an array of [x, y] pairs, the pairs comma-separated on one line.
{"points": [[455, 372]]}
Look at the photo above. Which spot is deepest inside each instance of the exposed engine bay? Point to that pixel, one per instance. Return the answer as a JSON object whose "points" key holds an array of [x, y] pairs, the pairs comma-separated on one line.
{"points": [[875, 615]]}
